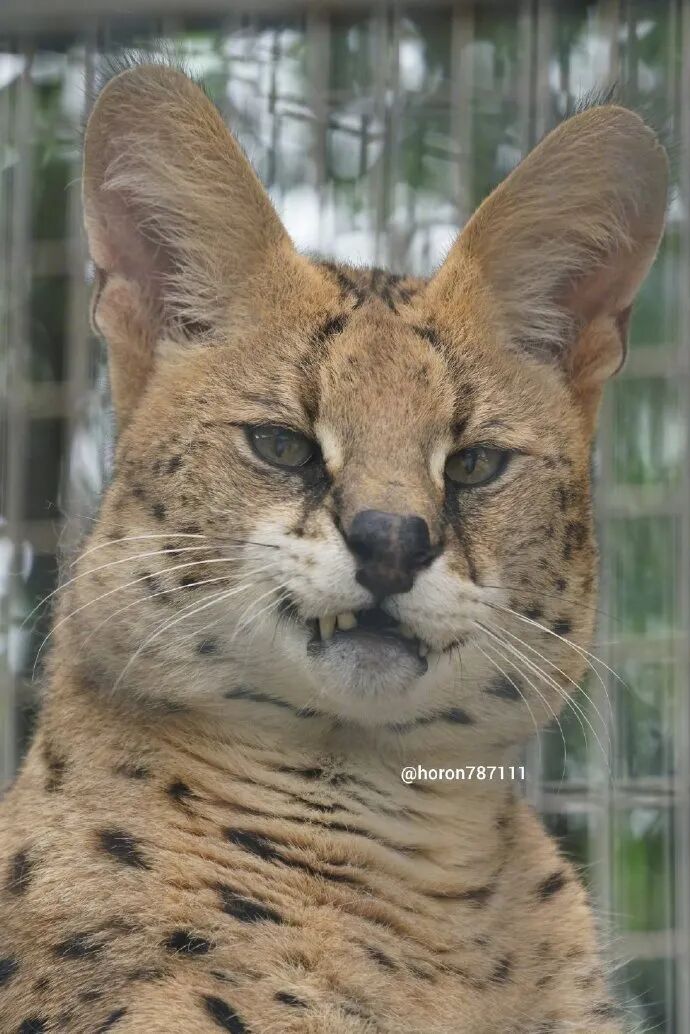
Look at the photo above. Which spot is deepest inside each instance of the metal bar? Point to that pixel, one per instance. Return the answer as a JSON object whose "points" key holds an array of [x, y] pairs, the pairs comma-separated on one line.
{"points": [[17, 364], [682, 831]]}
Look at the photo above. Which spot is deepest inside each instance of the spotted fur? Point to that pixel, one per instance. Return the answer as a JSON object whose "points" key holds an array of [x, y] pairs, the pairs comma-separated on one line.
{"points": [[210, 832]]}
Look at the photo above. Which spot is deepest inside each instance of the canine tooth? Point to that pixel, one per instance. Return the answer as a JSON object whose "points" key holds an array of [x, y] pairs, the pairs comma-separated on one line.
{"points": [[346, 621], [327, 627], [406, 631], [423, 649]]}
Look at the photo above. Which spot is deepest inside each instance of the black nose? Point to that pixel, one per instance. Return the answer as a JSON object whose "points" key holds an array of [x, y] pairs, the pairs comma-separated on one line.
{"points": [[390, 549]]}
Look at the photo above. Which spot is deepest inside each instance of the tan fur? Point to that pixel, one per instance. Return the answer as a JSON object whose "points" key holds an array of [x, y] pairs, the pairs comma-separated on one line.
{"points": [[210, 831]]}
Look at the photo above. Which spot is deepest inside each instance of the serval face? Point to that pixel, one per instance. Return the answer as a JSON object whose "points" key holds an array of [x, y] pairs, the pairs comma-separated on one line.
{"points": [[342, 493]]}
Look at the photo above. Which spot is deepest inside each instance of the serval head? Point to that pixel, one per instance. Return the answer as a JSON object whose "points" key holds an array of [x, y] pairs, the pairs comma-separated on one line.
{"points": [[340, 494]]}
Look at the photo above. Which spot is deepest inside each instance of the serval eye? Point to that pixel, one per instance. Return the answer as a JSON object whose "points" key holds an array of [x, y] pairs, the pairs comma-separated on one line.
{"points": [[281, 446], [476, 466]]}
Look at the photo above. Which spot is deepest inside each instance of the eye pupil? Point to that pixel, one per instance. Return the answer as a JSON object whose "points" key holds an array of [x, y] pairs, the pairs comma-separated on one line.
{"points": [[281, 446], [475, 466], [470, 460]]}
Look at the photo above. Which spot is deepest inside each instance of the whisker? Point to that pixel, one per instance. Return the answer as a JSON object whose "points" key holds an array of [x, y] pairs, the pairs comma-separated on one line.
{"points": [[577, 710], [573, 683], [120, 588], [103, 567], [522, 695], [135, 538], [151, 596], [216, 598], [574, 646], [212, 624]]}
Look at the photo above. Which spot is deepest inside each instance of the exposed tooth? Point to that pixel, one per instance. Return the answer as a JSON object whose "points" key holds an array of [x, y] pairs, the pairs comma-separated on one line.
{"points": [[423, 649], [346, 621], [406, 631], [327, 627]]}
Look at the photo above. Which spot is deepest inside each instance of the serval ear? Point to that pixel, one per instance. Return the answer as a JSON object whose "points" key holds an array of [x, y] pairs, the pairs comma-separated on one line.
{"points": [[181, 231], [561, 247]]}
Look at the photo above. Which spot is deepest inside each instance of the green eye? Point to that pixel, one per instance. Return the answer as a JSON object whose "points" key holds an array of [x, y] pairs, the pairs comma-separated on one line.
{"points": [[475, 466], [281, 446]]}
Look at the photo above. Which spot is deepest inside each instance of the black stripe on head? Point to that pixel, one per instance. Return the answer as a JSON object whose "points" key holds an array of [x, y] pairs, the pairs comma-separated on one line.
{"points": [[348, 287]]}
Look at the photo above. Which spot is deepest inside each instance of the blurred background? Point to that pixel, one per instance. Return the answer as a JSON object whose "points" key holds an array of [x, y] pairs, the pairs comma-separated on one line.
{"points": [[378, 127]]}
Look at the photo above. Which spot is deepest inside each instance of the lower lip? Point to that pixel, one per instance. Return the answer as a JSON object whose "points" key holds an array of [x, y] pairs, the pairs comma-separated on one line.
{"points": [[375, 642]]}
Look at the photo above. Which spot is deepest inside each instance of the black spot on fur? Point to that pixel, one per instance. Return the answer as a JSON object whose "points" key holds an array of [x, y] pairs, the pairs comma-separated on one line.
{"points": [[253, 843], [8, 967], [138, 492], [246, 910], [20, 871], [289, 999], [501, 973], [606, 1011], [224, 1015], [475, 896], [42, 985], [56, 765], [503, 688], [90, 996], [79, 946], [561, 584], [333, 325], [111, 1021], [132, 770], [379, 956], [429, 334], [123, 847], [187, 943], [562, 626], [190, 529], [174, 463], [207, 646], [551, 885], [188, 581], [33, 1025], [158, 511], [534, 613], [152, 582], [457, 716], [180, 792]]}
